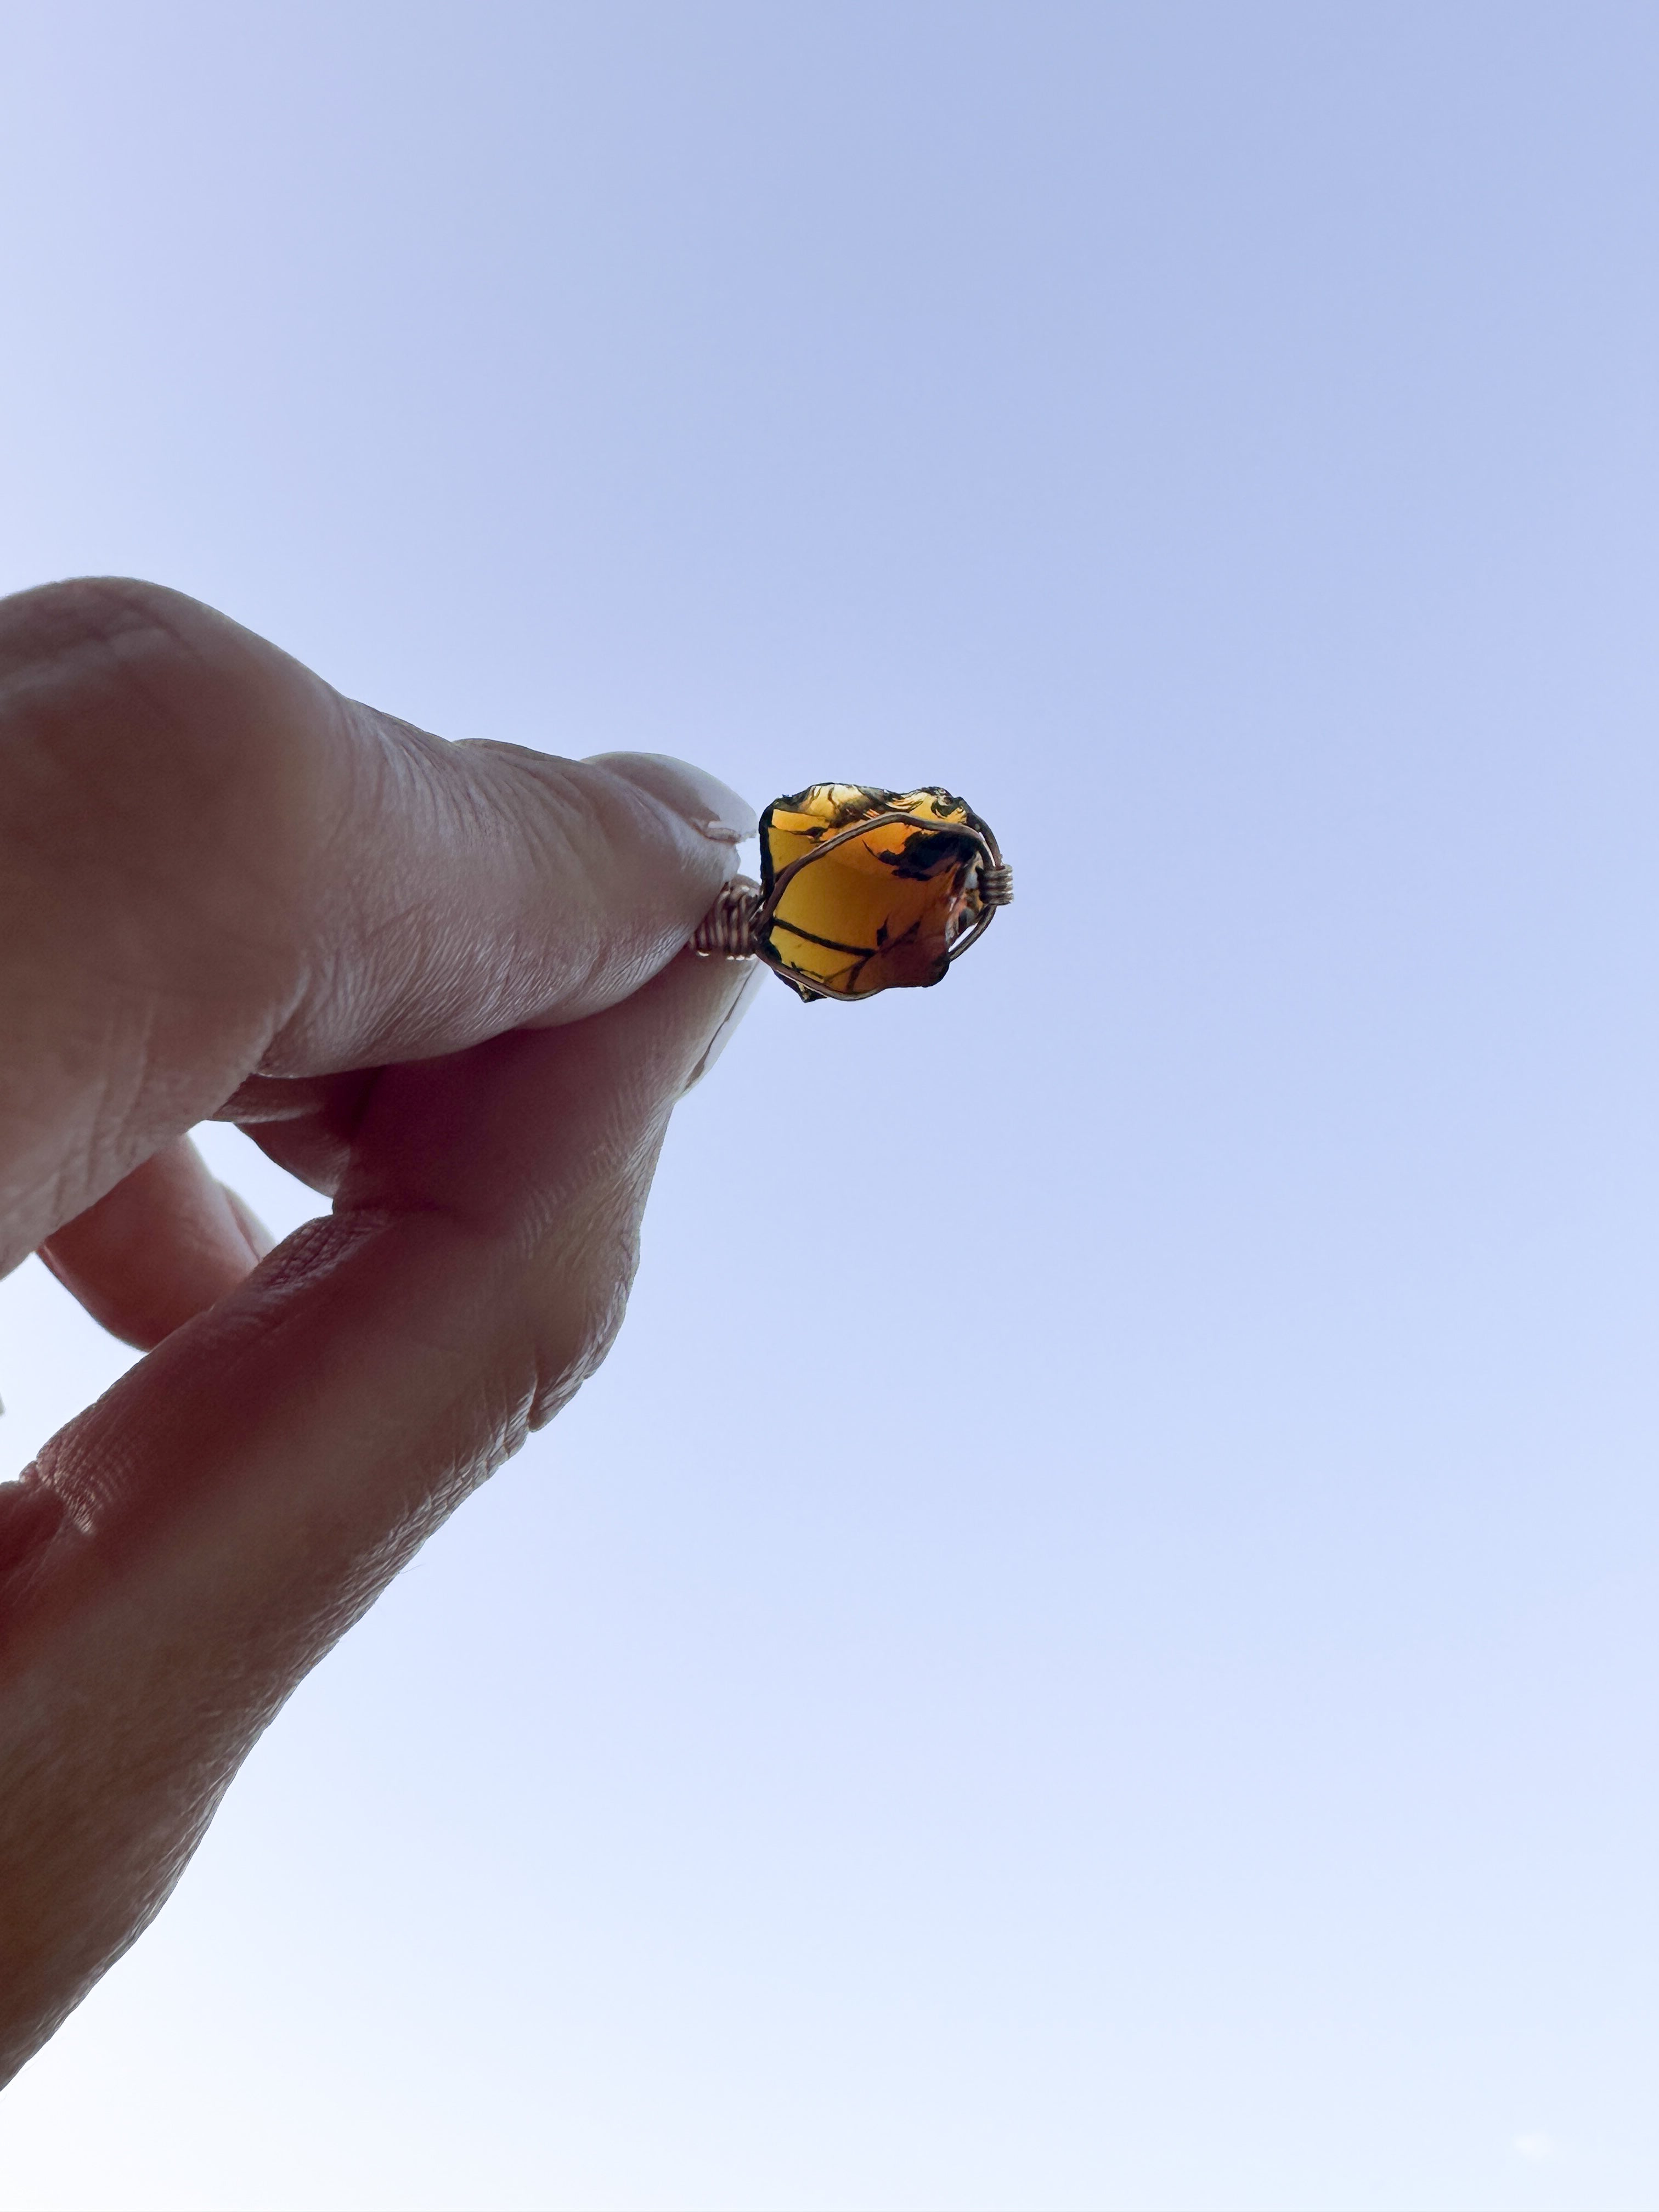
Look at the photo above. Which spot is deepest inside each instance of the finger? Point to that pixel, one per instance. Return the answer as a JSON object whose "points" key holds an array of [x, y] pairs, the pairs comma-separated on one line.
{"points": [[158, 1249], [212, 866], [308, 1124], [186, 1550]]}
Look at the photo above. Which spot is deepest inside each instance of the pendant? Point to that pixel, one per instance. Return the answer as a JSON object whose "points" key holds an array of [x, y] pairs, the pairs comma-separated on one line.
{"points": [[861, 890]]}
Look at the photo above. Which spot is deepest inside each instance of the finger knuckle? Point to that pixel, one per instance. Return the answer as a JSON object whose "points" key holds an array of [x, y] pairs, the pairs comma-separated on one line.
{"points": [[142, 735]]}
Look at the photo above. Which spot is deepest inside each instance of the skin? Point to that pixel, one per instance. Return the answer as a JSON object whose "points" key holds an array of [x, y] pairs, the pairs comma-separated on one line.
{"points": [[445, 984]]}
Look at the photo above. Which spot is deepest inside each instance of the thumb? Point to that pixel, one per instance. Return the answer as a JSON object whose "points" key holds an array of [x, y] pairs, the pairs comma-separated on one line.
{"points": [[185, 1551]]}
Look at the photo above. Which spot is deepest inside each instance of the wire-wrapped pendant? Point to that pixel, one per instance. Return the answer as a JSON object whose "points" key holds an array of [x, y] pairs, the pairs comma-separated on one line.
{"points": [[861, 890]]}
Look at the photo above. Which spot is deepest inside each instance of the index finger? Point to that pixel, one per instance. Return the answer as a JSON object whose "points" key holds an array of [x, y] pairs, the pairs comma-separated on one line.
{"points": [[213, 865]]}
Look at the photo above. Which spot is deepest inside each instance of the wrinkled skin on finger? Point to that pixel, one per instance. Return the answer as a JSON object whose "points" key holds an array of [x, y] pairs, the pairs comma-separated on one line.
{"points": [[214, 867], [158, 1249], [444, 983]]}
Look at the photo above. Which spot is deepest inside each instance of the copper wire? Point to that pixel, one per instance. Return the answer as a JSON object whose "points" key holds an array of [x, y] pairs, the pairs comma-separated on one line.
{"points": [[728, 927]]}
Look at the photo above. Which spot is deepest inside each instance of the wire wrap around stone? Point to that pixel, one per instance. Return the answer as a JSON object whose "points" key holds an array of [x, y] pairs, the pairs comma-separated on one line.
{"points": [[727, 930], [728, 927]]}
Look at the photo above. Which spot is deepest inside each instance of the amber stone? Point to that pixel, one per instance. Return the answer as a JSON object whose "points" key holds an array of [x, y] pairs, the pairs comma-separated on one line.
{"points": [[878, 912]]}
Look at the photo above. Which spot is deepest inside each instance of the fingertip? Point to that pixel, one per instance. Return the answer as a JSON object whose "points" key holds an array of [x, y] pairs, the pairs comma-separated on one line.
{"points": [[745, 986], [258, 1238], [166, 1243]]}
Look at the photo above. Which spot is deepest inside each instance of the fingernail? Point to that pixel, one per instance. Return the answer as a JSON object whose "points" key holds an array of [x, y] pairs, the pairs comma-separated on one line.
{"points": [[696, 796], [722, 1036]]}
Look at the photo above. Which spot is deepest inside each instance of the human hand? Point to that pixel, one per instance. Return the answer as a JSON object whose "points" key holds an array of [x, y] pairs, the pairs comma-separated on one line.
{"points": [[437, 982]]}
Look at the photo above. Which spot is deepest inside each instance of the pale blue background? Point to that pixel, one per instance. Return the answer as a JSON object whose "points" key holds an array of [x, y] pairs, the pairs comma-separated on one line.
{"points": [[1167, 1725]]}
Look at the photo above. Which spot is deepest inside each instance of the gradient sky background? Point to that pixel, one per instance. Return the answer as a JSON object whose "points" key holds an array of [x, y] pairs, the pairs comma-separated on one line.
{"points": [[1121, 1679]]}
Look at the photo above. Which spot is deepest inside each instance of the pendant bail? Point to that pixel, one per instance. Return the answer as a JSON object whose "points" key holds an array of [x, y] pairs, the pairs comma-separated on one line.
{"points": [[728, 927]]}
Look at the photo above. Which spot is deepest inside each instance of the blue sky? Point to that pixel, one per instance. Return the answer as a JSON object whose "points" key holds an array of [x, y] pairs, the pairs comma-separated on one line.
{"points": [[1161, 1718]]}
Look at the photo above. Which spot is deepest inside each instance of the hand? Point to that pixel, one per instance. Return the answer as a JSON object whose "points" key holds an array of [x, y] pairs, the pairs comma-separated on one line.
{"points": [[439, 982]]}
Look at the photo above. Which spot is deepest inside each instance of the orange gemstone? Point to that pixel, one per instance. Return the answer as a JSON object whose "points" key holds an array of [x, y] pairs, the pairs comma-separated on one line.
{"points": [[872, 912]]}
